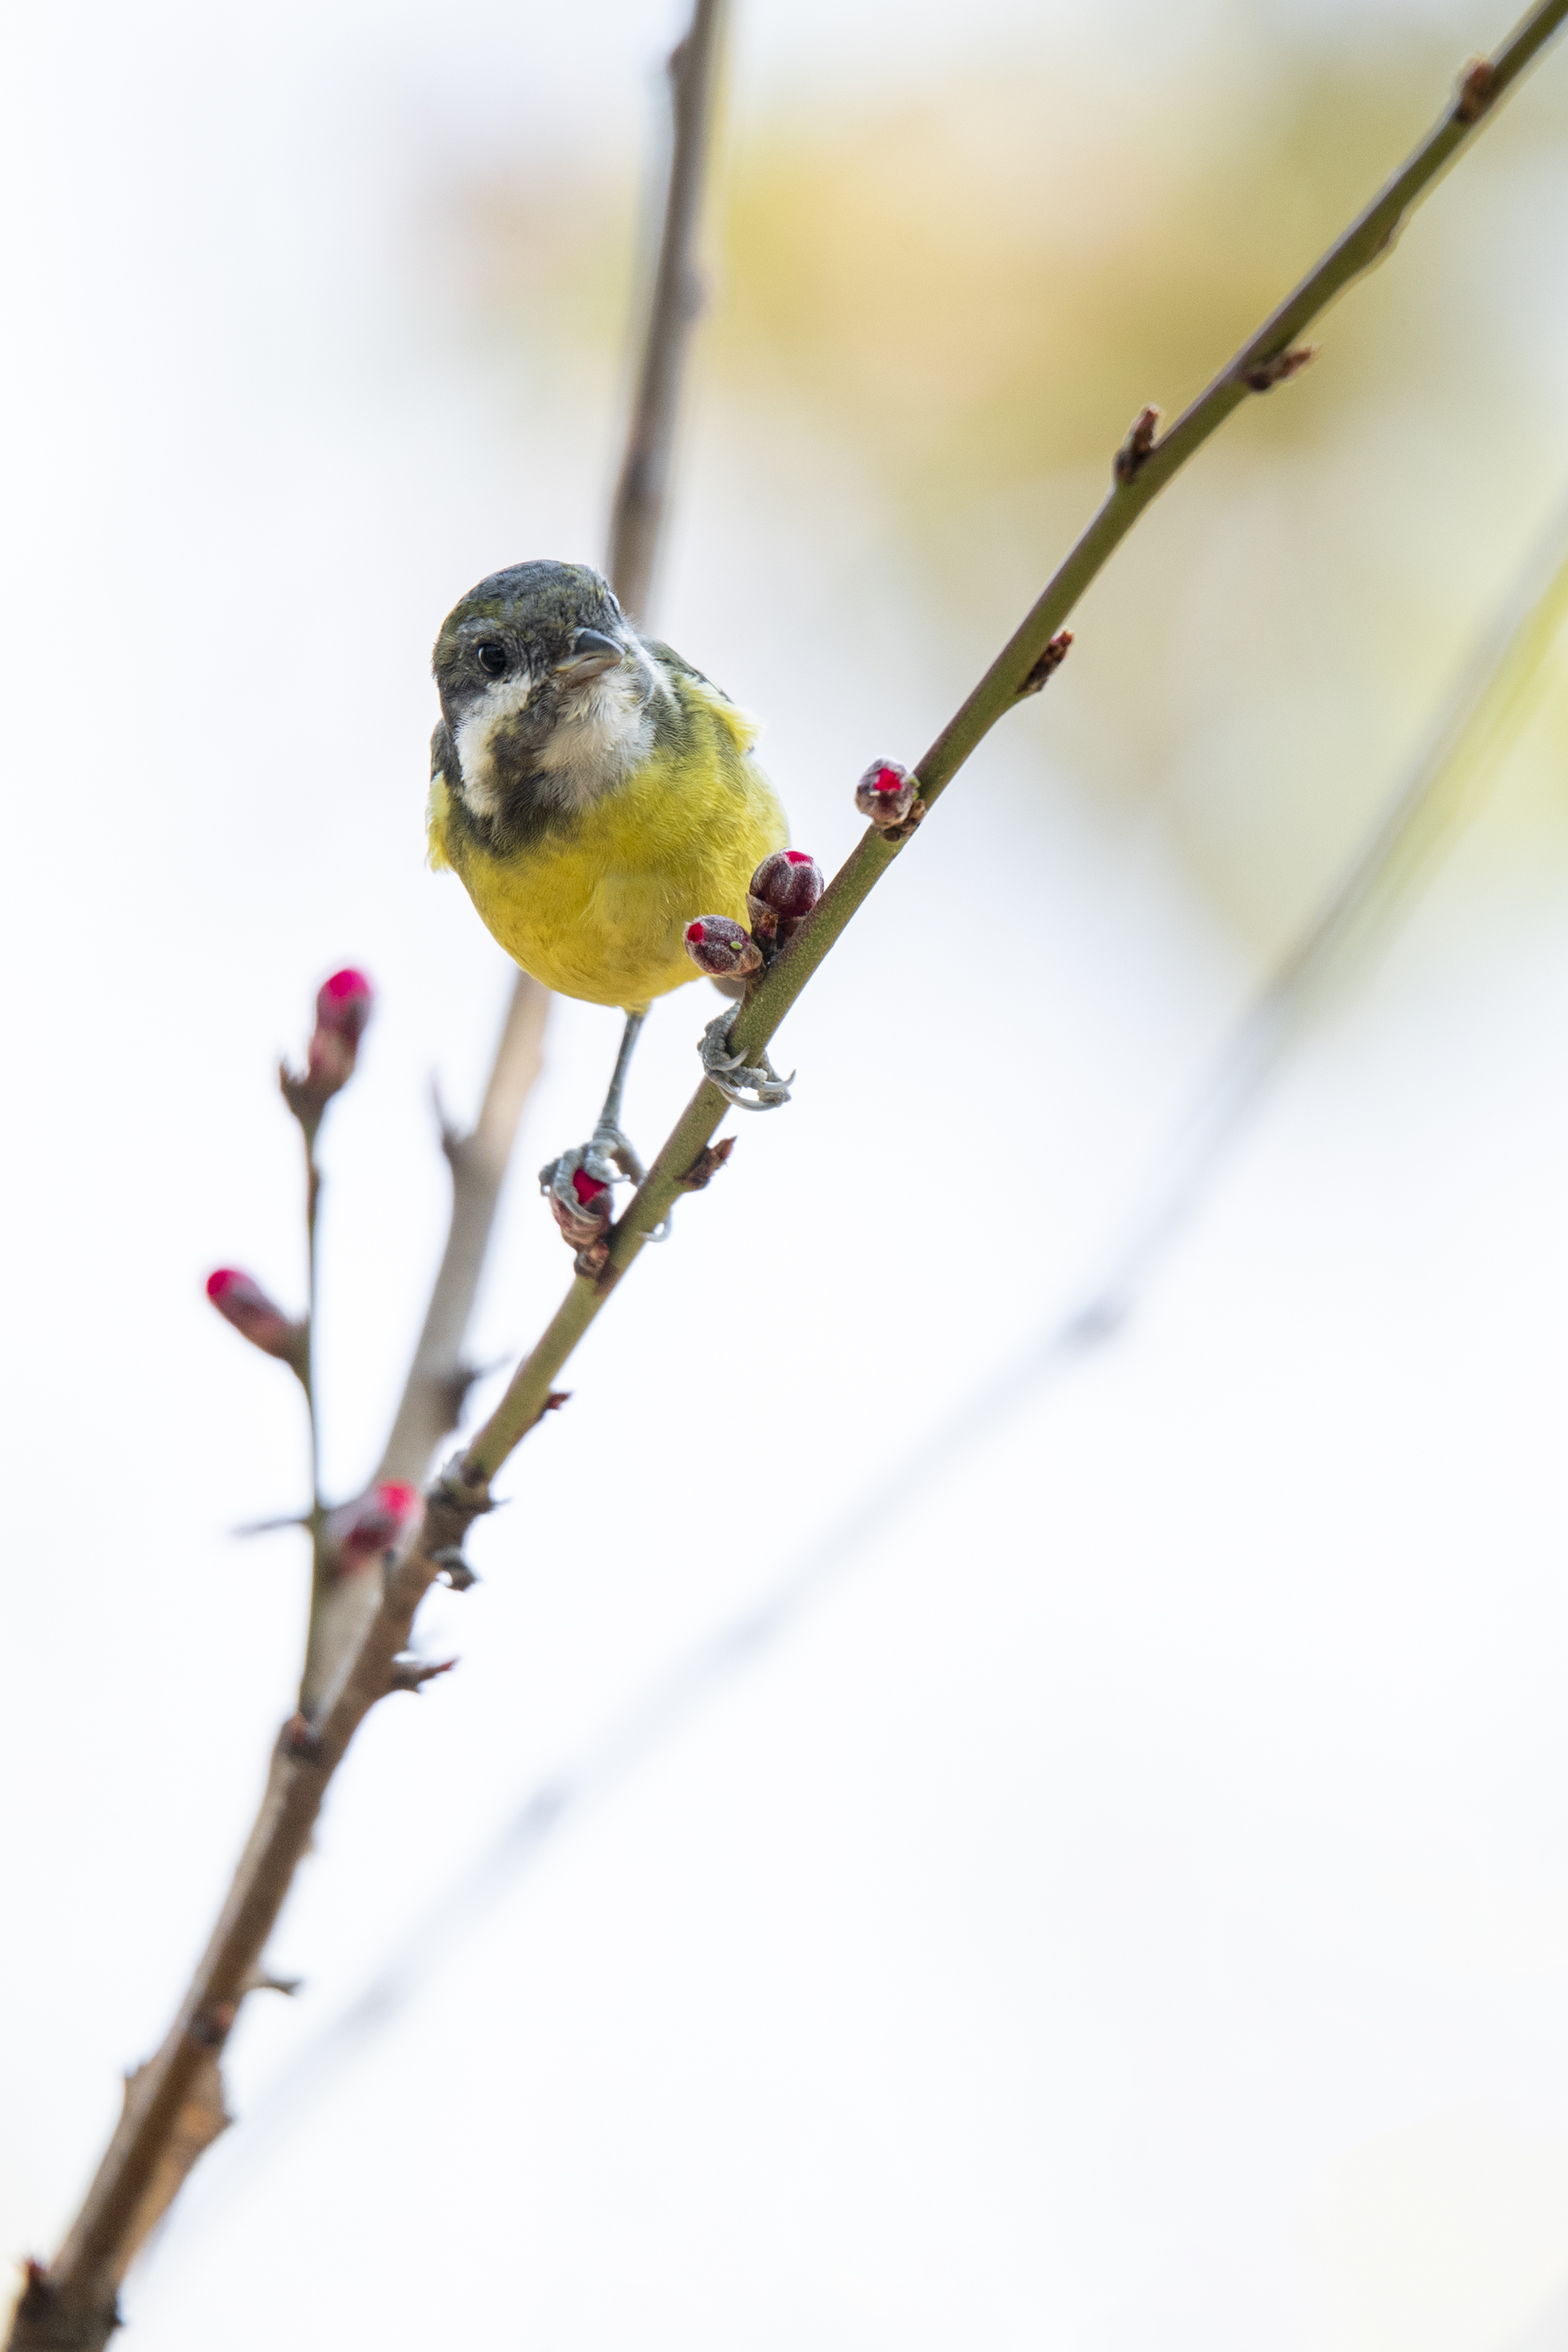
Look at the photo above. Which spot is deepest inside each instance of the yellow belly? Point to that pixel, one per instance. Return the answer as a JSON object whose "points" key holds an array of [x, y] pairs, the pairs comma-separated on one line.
{"points": [[599, 911]]}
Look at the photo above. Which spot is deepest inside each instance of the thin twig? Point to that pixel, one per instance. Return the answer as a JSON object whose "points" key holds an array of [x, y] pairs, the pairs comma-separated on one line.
{"points": [[174, 2104], [636, 521], [439, 1377], [1136, 482]]}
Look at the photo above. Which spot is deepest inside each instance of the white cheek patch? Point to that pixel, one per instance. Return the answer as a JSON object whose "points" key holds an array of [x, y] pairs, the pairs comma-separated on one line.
{"points": [[473, 738], [602, 734]]}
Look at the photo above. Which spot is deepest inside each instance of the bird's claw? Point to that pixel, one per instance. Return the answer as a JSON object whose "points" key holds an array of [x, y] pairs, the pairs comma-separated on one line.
{"points": [[606, 1159], [754, 1088]]}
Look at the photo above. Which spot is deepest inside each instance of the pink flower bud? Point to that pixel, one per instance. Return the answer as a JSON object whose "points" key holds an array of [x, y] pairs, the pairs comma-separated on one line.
{"points": [[244, 1303], [343, 1003], [886, 794], [788, 884], [364, 1532], [721, 948], [342, 1008]]}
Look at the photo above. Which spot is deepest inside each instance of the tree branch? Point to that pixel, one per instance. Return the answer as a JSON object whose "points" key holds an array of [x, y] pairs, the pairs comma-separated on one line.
{"points": [[438, 1378], [1143, 467], [174, 2104], [71, 2307], [638, 518]]}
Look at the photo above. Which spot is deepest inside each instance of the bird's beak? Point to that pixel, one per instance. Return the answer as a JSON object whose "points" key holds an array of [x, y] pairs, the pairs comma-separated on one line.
{"points": [[592, 654]]}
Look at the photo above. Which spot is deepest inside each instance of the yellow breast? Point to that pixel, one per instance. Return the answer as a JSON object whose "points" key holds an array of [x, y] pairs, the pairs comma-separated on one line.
{"points": [[598, 910]]}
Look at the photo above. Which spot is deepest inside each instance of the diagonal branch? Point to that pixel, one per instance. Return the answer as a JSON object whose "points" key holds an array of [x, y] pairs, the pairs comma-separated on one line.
{"points": [[1143, 467], [71, 2307]]}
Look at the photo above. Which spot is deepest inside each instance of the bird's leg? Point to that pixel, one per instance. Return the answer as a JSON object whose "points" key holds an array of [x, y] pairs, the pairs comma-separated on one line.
{"points": [[578, 1182], [608, 1142]]}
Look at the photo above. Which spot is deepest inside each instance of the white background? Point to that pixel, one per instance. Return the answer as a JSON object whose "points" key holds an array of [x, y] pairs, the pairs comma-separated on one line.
{"points": [[1129, 1905]]}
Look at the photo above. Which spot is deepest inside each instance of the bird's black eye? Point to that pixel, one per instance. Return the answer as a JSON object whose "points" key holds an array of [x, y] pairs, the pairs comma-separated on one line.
{"points": [[492, 658]]}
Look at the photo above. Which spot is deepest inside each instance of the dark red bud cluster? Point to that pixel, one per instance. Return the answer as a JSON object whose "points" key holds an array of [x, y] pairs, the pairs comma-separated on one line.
{"points": [[259, 1319], [888, 794], [724, 949], [342, 1008], [785, 889]]}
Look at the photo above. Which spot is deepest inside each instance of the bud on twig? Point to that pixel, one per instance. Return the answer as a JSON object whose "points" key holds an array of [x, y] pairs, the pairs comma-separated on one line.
{"points": [[1136, 450], [342, 1008], [1475, 94], [707, 1164], [1281, 368], [785, 889], [721, 948], [887, 793], [1050, 661], [363, 1534], [244, 1303]]}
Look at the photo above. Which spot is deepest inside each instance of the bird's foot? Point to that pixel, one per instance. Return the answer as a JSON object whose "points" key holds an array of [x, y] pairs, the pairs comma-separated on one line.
{"points": [[578, 1184], [756, 1088]]}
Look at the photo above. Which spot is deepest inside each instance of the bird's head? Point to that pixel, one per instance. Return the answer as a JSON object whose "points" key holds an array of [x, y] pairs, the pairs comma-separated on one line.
{"points": [[545, 689]]}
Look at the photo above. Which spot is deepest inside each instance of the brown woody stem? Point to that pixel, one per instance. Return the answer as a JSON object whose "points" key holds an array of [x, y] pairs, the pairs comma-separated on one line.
{"points": [[637, 521], [174, 2103]]}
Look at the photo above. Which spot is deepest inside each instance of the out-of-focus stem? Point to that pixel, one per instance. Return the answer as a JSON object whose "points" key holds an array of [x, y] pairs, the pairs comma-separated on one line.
{"points": [[438, 1377], [642, 494]]}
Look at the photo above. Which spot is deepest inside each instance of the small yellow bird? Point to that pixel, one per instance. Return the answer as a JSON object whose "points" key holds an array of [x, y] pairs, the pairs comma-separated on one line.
{"points": [[594, 793]]}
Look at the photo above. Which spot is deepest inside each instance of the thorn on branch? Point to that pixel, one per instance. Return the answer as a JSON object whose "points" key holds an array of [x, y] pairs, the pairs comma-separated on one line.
{"points": [[259, 1980], [410, 1674], [248, 1527], [707, 1164], [1476, 91], [890, 796], [1138, 447], [452, 1569], [1267, 373], [1050, 661]]}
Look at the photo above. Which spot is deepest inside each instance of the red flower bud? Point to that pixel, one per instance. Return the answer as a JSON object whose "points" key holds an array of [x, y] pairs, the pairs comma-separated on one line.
{"points": [[342, 1008], [364, 1532], [721, 948], [344, 1003], [886, 794], [788, 884], [244, 1303]]}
